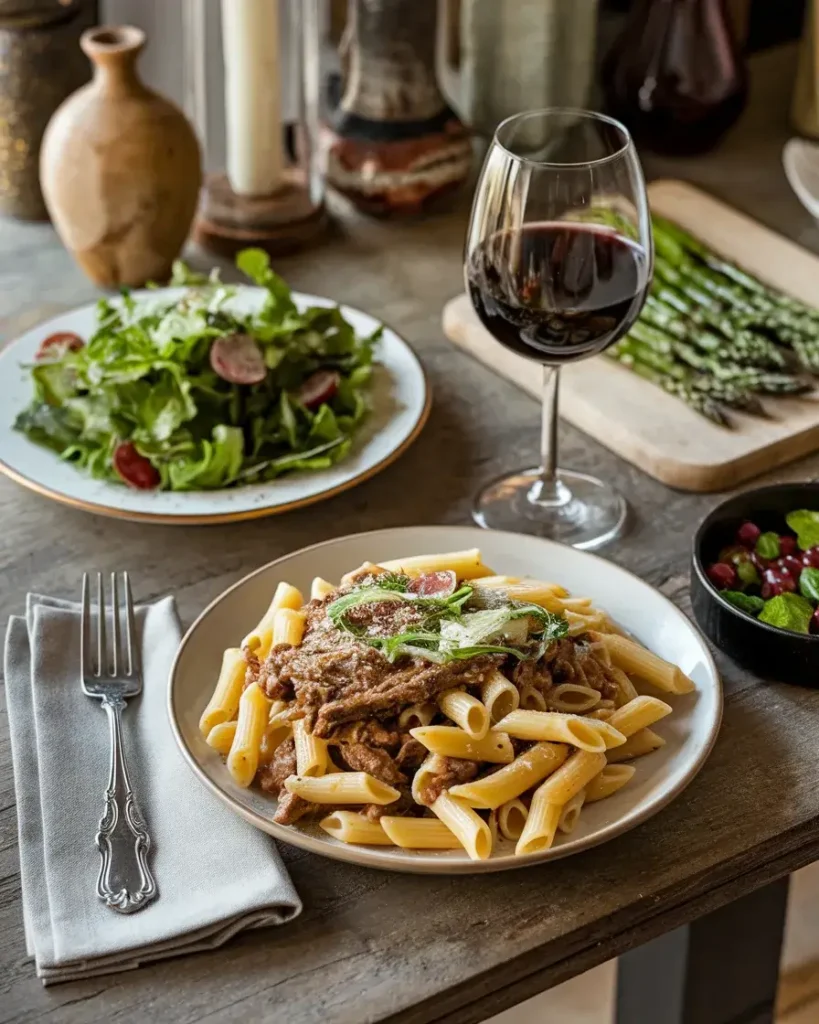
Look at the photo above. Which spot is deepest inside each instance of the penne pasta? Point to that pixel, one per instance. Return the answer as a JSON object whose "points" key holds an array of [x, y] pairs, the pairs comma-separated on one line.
{"points": [[571, 812], [352, 827], [531, 699], [492, 822], [626, 690], [419, 833], [221, 737], [312, 757], [261, 639], [466, 565], [512, 819], [319, 589], [638, 661], [612, 778], [416, 715], [580, 622], [341, 788], [450, 741], [499, 582], [503, 785], [431, 765], [224, 703], [471, 831], [638, 714], [557, 727], [274, 735], [466, 711], [641, 743], [547, 595], [572, 697], [541, 825], [499, 696], [573, 775], [600, 714], [243, 758], [288, 627]]}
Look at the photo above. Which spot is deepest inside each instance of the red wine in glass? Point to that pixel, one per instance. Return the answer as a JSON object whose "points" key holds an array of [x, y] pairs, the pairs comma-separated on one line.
{"points": [[557, 292]]}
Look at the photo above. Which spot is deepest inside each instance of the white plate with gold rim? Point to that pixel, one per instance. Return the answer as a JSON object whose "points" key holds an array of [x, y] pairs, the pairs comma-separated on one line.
{"points": [[399, 395], [689, 732]]}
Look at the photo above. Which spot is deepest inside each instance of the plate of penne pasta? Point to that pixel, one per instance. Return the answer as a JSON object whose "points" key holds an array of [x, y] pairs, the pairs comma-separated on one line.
{"points": [[444, 699]]}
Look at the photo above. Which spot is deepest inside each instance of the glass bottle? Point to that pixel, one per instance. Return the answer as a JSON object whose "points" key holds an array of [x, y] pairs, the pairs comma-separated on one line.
{"points": [[675, 76]]}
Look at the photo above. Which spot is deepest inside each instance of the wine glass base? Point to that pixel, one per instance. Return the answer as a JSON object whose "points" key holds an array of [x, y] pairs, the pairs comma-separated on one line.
{"points": [[586, 514]]}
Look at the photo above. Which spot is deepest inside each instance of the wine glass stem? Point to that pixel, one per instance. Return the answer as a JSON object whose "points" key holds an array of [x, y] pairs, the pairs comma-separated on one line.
{"points": [[547, 490]]}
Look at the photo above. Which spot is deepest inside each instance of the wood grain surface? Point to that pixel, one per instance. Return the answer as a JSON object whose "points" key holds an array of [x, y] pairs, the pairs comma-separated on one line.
{"points": [[639, 421], [370, 946]]}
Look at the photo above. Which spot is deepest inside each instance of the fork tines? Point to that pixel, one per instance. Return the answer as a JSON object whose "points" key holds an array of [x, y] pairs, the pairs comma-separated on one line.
{"points": [[99, 658]]}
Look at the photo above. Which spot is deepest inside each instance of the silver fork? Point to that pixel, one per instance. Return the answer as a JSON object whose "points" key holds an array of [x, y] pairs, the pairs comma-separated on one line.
{"points": [[112, 673]]}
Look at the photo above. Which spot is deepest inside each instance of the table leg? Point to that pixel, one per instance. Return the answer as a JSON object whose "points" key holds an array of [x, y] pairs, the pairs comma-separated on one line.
{"points": [[720, 969]]}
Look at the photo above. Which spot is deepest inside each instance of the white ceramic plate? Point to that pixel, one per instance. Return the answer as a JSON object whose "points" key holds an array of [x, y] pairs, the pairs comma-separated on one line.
{"points": [[690, 732], [399, 395]]}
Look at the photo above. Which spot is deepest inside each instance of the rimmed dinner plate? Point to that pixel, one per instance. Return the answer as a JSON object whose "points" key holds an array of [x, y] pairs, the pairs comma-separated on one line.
{"points": [[690, 731], [400, 399]]}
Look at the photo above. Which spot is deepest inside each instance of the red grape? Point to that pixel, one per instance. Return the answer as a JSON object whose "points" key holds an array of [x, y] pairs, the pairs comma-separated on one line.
{"points": [[748, 534], [775, 583], [791, 565], [787, 545], [814, 622], [760, 562], [810, 558], [722, 575]]}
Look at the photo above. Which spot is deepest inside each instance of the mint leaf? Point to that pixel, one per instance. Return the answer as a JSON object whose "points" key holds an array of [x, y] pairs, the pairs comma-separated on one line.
{"points": [[749, 603], [805, 524], [767, 546], [788, 611], [809, 584]]}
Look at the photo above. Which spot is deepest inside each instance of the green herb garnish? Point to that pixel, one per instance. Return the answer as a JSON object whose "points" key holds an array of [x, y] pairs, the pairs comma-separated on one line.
{"points": [[749, 603], [788, 611], [805, 524], [767, 545], [809, 584]]}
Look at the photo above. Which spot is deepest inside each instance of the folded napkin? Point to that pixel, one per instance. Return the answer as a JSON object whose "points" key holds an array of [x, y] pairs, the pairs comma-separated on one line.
{"points": [[216, 874]]}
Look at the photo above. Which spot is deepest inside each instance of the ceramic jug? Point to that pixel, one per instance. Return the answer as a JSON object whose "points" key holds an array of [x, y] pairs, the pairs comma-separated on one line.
{"points": [[120, 168]]}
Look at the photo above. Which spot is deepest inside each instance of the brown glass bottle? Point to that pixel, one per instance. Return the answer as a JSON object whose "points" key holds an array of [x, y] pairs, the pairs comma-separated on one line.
{"points": [[675, 76]]}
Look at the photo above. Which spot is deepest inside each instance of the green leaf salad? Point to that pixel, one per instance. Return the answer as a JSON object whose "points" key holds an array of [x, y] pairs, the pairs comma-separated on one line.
{"points": [[199, 393]]}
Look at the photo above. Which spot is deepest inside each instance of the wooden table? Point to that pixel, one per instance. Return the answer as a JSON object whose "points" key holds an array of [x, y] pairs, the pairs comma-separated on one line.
{"points": [[378, 947]]}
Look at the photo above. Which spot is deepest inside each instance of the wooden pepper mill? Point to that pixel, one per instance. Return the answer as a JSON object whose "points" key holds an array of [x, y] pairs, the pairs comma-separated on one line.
{"points": [[395, 144]]}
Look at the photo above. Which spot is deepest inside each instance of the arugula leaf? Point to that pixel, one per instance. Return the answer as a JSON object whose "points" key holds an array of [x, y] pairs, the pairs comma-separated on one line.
{"points": [[805, 524], [145, 376]]}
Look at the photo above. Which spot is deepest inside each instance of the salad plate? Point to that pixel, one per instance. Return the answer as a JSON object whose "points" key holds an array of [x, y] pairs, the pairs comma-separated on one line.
{"points": [[687, 735], [397, 393]]}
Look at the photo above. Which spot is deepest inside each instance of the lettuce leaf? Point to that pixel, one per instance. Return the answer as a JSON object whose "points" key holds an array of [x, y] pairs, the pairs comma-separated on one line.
{"points": [[145, 376]]}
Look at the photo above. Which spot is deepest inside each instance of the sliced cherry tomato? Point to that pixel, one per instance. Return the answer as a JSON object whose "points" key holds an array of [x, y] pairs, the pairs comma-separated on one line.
{"points": [[318, 388], [238, 359], [434, 584], [56, 345], [134, 468]]}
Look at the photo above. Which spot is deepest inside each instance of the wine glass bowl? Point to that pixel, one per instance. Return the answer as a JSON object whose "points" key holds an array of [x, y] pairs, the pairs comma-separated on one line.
{"points": [[557, 264]]}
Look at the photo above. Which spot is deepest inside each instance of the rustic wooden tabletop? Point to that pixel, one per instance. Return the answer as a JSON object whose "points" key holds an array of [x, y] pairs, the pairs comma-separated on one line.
{"points": [[375, 947]]}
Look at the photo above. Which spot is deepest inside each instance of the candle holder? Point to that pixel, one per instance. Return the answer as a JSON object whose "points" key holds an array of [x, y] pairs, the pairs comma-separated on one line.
{"points": [[257, 113]]}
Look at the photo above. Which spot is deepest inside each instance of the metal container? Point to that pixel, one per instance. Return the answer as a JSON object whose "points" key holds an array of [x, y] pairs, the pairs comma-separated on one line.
{"points": [[40, 65]]}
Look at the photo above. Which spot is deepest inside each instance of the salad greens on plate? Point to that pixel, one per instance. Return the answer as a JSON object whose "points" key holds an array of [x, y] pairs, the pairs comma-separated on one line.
{"points": [[202, 391]]}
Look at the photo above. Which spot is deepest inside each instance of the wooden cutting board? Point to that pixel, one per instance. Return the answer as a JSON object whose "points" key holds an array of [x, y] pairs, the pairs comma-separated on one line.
{"points": [[638, 420]]}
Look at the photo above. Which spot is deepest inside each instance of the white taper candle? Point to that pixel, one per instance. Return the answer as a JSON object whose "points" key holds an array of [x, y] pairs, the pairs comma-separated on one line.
{"points": [[250, 42]]}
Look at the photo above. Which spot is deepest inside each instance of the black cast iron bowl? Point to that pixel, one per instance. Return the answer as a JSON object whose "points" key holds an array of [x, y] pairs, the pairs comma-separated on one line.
{"points": [[767, 651]]}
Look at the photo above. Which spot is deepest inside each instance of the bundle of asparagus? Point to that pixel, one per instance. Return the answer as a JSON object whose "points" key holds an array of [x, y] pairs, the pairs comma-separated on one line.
{"points": [[713, 335]]}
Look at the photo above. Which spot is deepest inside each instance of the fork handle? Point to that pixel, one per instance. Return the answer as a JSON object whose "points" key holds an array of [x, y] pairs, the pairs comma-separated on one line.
{"points": [[125, 883]]}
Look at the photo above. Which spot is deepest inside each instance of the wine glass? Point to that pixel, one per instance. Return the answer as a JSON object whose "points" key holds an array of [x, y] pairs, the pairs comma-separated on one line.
{"points": [[558, 261]]}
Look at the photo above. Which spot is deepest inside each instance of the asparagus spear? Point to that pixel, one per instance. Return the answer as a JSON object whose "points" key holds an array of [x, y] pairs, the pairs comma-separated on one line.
{"points": [[720, 390], [744, 347], [748, 377], [697, 400]]}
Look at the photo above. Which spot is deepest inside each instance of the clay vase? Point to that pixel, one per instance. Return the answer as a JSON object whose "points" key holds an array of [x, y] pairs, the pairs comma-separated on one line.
{"points": [[120, 168]]}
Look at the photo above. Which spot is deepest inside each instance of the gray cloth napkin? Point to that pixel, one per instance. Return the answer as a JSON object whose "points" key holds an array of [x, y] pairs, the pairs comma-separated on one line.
{"points": [[216, 874]]}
